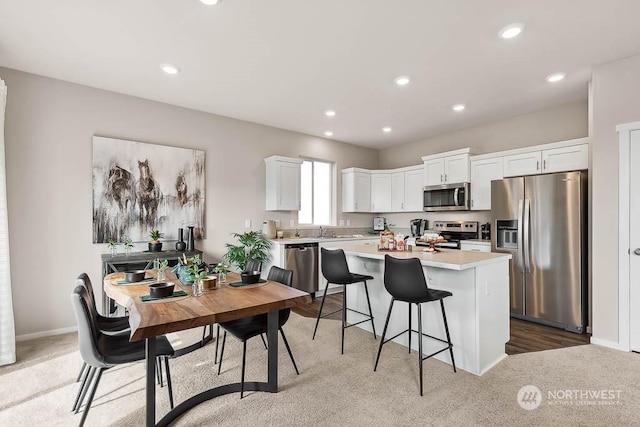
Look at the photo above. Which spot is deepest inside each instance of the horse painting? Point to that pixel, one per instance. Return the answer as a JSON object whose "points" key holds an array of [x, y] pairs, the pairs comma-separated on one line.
{"points": [[148, 195]]}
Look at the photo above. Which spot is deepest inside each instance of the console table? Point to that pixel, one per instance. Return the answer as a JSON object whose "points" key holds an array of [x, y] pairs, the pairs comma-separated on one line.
{"points": [[135, 261]]}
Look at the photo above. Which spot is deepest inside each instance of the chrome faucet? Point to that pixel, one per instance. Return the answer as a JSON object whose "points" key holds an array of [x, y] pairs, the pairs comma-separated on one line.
{"points": [[323, 232]]}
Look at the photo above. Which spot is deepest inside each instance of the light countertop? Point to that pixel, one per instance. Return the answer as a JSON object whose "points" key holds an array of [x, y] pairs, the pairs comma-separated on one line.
{"points": [[294, 240], [451, 259]]}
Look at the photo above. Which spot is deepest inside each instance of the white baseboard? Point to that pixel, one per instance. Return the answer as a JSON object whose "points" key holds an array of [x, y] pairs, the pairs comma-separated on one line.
{"points": [[52, 332], [610, 344]]}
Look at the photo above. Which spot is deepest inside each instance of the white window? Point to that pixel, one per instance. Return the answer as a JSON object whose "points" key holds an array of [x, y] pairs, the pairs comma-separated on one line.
{"points": [[316, 193]]}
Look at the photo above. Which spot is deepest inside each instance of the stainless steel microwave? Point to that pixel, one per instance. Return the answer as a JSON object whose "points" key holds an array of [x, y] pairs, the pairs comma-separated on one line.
{"points": [[446, 197]]}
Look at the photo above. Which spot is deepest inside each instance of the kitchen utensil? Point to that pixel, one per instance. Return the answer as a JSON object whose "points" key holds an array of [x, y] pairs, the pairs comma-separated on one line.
{"points": [[134, 275], [250, 277], [161, 290], [269, 229]]}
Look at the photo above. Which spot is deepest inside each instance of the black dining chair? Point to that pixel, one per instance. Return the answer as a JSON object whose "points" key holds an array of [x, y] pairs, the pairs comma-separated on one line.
{"points": [[336, 270], [100, 351], [251, 265], [106, 325], [249, 327], [404, 280]]}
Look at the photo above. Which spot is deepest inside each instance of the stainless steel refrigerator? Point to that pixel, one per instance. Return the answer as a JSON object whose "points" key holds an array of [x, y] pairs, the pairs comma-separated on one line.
{"points": [[542, 221]]}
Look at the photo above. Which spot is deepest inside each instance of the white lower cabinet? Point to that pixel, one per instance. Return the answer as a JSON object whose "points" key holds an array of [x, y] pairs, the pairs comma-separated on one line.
{"points": [[475, 246]]}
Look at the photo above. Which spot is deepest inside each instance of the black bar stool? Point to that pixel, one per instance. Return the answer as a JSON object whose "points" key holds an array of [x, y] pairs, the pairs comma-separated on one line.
{"points": [[336, 271], [404, 280]]}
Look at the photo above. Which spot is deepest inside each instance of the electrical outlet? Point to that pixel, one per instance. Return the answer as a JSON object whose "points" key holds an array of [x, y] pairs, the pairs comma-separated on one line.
{"points": [[247, 223], [348, 223], [292, 223], [341, 223]]}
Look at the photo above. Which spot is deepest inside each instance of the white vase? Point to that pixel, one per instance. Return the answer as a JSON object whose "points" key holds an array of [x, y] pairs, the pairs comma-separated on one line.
{"points": [[269, 229]]}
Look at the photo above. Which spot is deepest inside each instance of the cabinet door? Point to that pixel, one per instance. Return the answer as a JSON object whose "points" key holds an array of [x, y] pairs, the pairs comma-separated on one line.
{"points": [[482, 173], [380, 192], [475, 247], [413, 187], [434, 171], [398, 191], [456, 169], [362, 192], [283, 186], [522, 164], [566, 159]]}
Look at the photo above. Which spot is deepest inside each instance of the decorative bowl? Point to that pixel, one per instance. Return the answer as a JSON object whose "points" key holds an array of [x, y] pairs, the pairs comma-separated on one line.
{"points": [[210, 282], [161, 290], [134, 275], [250, 277]]}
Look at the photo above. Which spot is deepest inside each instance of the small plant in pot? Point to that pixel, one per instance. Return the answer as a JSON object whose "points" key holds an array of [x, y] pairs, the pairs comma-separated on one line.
{"points": [[155, 245], [186, 266]]}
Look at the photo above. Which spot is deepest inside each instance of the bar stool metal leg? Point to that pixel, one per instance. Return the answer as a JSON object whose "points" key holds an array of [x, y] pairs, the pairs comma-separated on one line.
{"points": [[344, 314], [320, 311], [384, 333], [409, 328], [420, 343], [446, 329], [373, 327], [224, 339], [244, 363]]}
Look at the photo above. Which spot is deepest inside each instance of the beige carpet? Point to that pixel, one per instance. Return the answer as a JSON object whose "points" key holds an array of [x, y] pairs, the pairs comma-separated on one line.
{"points": [[332, 389]]}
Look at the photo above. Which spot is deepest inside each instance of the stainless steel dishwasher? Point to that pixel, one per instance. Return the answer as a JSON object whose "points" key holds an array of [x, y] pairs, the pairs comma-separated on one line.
{"points": [[302, 258]]}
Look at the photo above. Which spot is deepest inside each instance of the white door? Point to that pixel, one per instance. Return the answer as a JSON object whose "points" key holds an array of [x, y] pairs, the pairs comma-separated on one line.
{"points": [[434, 171], [522, 164], [362, 192], [634, 241], [380, 192], [413, 193], [397, 191], [482, 173], [575, 157], [456, 169], [288, 181]]}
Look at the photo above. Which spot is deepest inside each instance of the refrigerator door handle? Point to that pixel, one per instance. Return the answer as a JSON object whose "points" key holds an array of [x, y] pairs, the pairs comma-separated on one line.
{"points": [[527, 235], [519, 262]]}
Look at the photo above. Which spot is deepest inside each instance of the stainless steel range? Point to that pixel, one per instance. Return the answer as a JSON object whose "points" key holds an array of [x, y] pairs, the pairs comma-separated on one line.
{"points": [[453, 232]]}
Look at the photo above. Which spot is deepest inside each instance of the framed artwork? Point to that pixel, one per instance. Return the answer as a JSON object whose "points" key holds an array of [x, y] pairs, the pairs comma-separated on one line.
{"points": [[139, 187]]}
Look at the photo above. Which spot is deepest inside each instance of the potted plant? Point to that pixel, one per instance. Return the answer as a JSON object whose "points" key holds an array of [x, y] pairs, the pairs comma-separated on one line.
{"points": [[197, 273], [113, 246], [155, 245], [252, 246], [221, 269], [160, 267], [128, 245], [185, 267]]}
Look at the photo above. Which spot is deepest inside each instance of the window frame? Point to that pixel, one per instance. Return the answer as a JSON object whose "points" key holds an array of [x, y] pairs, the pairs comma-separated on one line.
{"points": [[332, 189]]}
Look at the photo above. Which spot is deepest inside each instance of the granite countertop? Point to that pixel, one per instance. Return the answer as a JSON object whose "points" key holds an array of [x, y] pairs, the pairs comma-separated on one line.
{"points": [[294, 240], [451, 259]]}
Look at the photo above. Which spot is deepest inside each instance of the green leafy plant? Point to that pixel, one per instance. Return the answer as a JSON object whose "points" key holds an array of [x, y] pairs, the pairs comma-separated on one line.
{"points": [[128, 243], [160, 265], [252, 246], [221, 268], [155, 236], [112, 244], [194, 267]]}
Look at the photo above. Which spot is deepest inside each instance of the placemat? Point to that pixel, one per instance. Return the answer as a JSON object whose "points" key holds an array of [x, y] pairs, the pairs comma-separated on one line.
{"points": [[124, 282], [146, 298], [236, 284]]}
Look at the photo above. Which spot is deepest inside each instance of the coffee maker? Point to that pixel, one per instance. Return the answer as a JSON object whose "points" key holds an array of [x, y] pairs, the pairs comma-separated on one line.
{"points": [[418, 226], [485, 231]]}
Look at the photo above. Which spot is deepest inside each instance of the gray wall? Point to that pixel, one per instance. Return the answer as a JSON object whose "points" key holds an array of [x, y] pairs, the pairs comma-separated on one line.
{"points": [[615, 93], [49, 125], [555, 124]]}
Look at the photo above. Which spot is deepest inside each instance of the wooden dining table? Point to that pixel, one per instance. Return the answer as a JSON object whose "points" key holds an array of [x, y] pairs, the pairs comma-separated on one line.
{"points": [[154, 318]]}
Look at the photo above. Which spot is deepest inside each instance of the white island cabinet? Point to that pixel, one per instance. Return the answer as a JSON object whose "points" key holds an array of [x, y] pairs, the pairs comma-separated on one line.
{"points": [[477, 313]]}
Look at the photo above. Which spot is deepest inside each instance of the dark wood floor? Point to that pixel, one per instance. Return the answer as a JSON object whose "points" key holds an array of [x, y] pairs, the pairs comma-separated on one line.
{"points": [[525, 336]]}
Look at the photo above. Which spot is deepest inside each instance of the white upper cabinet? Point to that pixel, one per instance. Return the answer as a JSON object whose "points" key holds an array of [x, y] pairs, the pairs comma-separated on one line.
{"points": [[282, 183], [451, 167], [483, 171], [561, 156], [381, 191], [356, 190], [523, 164], [397, 192], [413, 183], [575, 157]]}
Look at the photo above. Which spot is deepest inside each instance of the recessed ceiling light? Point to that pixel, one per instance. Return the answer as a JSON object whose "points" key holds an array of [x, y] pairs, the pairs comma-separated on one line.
{"points": [[330, 113], [210, 2], [555, 77], [170, 69], [458, 107], [402, 80], [511, 31], [386, 129], [328, 133]]}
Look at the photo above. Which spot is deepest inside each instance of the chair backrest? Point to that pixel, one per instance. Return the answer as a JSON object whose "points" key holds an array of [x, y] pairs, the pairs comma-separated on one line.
{"points": [[253, 265], [285, 277], [87, 284], [404, 278], [87, 328], [334, 266]]}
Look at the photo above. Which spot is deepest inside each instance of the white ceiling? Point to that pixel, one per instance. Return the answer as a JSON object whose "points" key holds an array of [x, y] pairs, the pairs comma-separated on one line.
{"points": [[283, 62]]}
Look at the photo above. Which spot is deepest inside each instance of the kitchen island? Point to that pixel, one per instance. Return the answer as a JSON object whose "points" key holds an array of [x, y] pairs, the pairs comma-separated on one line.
{"points": [[477, 313]]}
